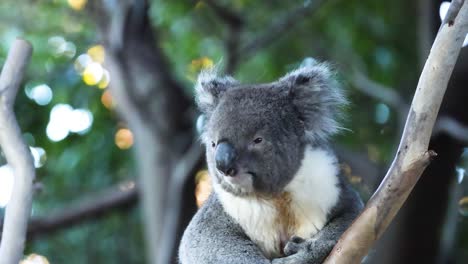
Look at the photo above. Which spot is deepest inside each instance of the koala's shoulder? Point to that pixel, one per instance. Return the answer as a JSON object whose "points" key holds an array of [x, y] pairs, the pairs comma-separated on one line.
{"points": [[210, 212], [210, 223], [210, 235]]}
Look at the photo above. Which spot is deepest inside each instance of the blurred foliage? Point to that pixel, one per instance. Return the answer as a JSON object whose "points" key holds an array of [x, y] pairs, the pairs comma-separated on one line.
{"points": [[381, 34], [80, 163]]}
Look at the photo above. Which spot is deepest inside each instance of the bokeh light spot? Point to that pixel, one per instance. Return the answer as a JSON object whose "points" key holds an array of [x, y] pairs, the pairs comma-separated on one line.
{"points": [[64, 119], [39, 156], [93, 73], [97, 53], [203, 187], [80, 120], [444, 6], [56, 132], [463, 206], [82, 62], [202, 63], [104, 80], [68, 49], [41, 94], [77, 4], [443, 9], [60, 47], [34, 259], [197, 65], [124, 138], [382, 113], [55, 42], [106, 100]]}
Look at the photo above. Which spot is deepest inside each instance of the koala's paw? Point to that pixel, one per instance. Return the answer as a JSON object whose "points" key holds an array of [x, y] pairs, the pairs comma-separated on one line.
{"points": [[294, 245], [305, 251]]}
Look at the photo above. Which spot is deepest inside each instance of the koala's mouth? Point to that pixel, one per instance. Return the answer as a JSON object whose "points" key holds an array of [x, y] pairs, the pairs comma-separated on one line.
{"points": [[239, 185]]}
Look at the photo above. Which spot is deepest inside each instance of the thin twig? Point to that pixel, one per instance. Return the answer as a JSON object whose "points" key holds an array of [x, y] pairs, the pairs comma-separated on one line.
{"points": [[121, 196], [228, 16], [452, 127], [279, 27], [381, 93], [17, 155]]}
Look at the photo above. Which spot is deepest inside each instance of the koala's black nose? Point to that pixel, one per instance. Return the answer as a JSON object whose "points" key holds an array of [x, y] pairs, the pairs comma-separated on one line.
{"points": [[225, 157]]}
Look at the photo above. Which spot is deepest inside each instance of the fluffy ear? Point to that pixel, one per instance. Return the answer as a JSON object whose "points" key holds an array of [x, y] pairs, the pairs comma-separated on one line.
{"points": [[209, 89], [317, 97]]}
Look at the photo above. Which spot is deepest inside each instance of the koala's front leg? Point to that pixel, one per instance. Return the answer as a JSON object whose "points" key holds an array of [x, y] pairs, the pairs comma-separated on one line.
{"points": [[306, 251], [314, 250]]}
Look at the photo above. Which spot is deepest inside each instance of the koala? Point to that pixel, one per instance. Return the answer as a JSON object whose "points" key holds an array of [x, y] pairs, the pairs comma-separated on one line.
{"points": [[278, 194]]}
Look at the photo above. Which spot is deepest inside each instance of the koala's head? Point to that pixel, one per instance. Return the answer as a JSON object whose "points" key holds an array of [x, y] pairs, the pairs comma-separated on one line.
{"points": [[256, 135]]}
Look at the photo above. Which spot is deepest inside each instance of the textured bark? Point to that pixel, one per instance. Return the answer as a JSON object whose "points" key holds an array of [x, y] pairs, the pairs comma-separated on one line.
{"points": [[417, 234], [154, 104], [412, 155]]}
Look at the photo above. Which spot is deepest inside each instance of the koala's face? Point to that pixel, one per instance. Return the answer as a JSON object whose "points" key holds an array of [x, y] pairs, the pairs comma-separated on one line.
{"points": [[255, 135], [255, 141]]}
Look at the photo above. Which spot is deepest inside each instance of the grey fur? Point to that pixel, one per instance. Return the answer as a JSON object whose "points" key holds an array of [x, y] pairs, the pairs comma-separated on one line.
{"points": [[297, 111], [213, 237]]}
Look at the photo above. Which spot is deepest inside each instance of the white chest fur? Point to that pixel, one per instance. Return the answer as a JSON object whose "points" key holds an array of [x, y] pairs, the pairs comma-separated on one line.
{"points": [[311, 195]]}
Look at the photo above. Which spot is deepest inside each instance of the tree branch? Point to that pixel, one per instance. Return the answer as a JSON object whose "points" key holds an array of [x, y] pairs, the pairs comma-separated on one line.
{"points": [[452, 127], [17, 155], [234, 23], [229, 17], [89, 206], [381, 93], [279, 27], [412, 156], [93, 206]]}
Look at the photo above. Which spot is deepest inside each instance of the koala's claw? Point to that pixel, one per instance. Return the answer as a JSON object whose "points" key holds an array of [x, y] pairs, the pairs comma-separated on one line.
{"points": [[294, 245]]}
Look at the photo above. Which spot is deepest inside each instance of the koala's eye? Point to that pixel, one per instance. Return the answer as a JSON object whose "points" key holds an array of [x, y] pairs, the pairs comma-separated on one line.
{"points": [[258, 140], [213, 144]]}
